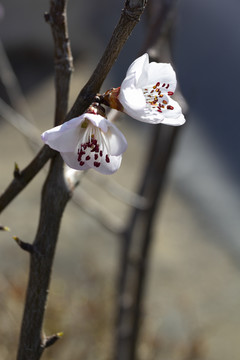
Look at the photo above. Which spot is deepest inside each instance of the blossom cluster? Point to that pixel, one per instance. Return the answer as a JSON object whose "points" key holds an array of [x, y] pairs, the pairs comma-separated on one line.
{"points": [[92, 141]]}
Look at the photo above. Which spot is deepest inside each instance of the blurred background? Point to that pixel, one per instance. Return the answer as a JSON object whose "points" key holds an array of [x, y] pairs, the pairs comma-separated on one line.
{"points": [[193, 291]]}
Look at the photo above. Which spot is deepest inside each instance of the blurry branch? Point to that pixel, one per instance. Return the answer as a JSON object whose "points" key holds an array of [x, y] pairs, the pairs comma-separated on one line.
{"points": [[4, 228], [11, 85], [25, 127], [104, 216], [137, 239], [129, 18], [120, 192], [55, 192]]}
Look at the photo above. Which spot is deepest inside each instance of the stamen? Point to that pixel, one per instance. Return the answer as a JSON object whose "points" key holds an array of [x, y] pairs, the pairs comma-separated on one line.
{"points": [[170, 107], [170, 93]]}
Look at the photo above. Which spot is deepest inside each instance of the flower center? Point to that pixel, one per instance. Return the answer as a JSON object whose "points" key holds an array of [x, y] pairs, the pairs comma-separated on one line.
{"points": [[157, 97], [92, 146]]}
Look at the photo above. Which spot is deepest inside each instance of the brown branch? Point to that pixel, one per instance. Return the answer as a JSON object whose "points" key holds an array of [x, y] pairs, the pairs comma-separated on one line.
{"points": [[129, 18], [137, 239], [55, 194], [25, 176], [23, 245]]}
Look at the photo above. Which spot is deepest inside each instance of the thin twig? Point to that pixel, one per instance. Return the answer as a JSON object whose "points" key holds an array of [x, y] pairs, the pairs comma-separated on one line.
{"points": [[11, 84], [25, 176], [25, 127]]}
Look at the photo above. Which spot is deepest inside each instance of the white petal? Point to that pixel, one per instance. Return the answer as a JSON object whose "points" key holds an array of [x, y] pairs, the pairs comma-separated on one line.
{"points": [[173, 117], [104, 167], [131, 98], [116, 139], [111, 167], [64, 138], [138, 66], [158, 72], [98, 121]]}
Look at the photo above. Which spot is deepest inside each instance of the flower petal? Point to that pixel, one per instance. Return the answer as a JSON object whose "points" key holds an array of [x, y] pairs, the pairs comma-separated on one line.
{"points": [[71, 159], [131, 97], [64, 138], [158, 72], [98, 121], [116, 140], [107, 168], [173, 117], [138, 67]]}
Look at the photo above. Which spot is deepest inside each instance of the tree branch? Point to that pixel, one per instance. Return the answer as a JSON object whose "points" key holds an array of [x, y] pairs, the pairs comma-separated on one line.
{"points": [[129, 18], [25, 176], [56, 194]]}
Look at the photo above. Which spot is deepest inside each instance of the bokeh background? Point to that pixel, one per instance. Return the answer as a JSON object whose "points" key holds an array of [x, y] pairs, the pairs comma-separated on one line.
{"points": [[193, 293]]}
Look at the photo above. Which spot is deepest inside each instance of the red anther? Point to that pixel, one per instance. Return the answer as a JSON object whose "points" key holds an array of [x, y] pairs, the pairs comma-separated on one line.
{"points": [[158, 84], [167, 86], [170, 93], [163, 85], [170, 107]]}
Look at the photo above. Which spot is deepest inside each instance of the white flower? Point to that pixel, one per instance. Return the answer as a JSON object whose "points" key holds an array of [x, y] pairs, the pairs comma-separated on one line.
{"points": [[145, 93], [88, 141]]}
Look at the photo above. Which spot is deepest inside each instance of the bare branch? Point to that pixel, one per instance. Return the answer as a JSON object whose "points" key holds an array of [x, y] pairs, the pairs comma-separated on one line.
{"points": [[4, 228], [23, 245], [25, 127], [50, 340], [129, 18], [10, 82], [25, 176]]}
